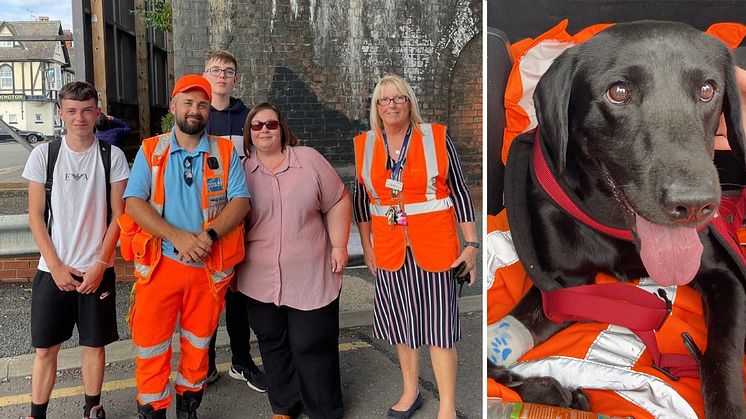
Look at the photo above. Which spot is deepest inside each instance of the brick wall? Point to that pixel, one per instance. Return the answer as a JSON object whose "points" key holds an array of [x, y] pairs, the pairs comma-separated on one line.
{"points": [[23, 269], [319, 60]]}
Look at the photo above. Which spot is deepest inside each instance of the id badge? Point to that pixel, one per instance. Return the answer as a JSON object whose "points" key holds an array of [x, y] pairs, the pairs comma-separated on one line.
{"points": [[394, 185]]}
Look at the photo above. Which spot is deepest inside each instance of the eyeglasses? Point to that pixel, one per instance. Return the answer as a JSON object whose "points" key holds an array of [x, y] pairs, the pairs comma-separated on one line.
{"points": [[188, 177], [228, 72], [396, 99], [271, 125]]}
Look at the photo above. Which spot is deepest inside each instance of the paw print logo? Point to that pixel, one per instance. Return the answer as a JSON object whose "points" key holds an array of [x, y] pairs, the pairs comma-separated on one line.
{"points": [[500, 345]]}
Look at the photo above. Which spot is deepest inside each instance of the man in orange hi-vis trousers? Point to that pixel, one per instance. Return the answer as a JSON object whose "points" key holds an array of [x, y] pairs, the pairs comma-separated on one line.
{"points": [[183, 229]]}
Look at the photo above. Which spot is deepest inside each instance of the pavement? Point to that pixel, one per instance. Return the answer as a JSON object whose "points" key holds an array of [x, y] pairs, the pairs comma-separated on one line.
{"points": [[371, 379]]}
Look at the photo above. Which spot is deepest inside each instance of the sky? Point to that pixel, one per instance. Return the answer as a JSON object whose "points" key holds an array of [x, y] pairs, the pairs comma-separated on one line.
{"points": [[28, 10]]}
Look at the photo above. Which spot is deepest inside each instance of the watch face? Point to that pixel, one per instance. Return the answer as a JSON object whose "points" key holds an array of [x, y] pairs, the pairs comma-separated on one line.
{"points": [[212, 234]]}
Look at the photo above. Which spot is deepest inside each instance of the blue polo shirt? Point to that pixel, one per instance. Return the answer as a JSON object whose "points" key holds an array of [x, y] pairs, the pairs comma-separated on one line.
{"points": [[183, 203]]}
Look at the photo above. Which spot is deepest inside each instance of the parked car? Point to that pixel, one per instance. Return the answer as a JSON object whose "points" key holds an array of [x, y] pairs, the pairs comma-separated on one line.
{"points": [[30, 136]]}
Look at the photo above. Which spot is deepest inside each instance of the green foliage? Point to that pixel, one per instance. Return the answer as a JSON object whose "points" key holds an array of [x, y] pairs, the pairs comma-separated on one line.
{"points": [[167, 122], [160, 18]]}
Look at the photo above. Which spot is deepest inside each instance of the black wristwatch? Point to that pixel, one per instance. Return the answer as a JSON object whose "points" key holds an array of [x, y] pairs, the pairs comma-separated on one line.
{"points": [[212, 234], [472, 244]]}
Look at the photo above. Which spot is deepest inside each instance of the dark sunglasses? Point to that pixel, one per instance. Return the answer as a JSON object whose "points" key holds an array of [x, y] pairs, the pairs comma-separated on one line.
{"points": [[188, 177], [271, 125]]}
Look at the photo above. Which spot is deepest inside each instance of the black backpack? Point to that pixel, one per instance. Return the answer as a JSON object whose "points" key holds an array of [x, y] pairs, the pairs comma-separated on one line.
{"points": [[54, 151]]}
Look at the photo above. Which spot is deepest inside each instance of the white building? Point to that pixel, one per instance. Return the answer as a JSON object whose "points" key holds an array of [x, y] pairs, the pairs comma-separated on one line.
{"points": [[31, 74]]}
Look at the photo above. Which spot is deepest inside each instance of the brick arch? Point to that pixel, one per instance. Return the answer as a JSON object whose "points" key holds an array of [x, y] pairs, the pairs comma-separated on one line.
{"points": [[465, 109]]}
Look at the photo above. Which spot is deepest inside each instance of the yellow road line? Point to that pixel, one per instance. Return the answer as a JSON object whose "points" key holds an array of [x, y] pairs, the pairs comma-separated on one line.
{"points": [[127, 383]]}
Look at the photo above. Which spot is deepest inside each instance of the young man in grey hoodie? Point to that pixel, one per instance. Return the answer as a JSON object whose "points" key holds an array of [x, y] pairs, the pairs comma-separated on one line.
{"points": [[227, 116]]}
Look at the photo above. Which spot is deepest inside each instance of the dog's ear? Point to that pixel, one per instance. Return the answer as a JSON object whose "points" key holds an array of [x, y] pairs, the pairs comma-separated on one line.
{"points": [[733, 117], [552, 101]]}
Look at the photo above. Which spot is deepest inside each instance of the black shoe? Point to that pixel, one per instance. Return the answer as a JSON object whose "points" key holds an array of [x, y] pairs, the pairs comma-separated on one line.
{"points": [[147, 412], [187, 404], [212, 376], [251, 374], [407, 413]]}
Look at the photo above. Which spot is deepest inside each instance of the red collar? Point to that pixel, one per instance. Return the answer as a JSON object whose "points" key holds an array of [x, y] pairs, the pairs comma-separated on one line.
{"points": [[549, 183]]}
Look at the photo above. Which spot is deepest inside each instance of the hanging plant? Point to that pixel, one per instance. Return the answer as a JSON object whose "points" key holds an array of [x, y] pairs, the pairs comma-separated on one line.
{"points": [[160, 17]]}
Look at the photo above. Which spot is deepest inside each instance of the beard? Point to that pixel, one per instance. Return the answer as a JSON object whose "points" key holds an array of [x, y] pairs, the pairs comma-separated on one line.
{"points": [[192, 127]]}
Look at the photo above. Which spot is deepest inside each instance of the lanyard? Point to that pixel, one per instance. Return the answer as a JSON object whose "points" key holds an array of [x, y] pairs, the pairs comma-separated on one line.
{"points": [[397, 166]]}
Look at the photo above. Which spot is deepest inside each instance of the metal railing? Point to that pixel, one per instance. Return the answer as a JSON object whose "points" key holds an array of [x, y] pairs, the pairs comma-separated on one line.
{"points": [[15, 236]]}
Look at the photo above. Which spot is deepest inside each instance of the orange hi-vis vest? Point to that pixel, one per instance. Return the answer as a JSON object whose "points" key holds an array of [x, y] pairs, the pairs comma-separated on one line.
{"points": [[425, 197], [609, 362], [144, 248], [533, 56]]}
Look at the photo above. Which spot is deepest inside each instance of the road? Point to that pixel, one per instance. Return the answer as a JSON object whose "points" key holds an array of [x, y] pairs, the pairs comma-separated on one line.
{"points": [[370, 382], [12, 160]]}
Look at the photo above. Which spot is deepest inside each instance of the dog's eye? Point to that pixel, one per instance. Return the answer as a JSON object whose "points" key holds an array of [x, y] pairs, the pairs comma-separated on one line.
{"points": [[618, 94], [707, 92]]}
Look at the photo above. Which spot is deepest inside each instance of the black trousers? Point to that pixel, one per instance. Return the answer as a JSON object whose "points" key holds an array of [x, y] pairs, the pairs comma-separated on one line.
{"points": [[239, 334], [300, 352]]}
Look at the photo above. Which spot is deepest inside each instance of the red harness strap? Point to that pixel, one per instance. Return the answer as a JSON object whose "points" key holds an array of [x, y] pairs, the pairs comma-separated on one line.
{"points": [[622, 305]]}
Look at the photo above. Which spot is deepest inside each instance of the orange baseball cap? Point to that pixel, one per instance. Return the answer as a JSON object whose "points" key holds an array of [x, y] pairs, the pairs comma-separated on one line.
{"points": [[192, 81]]}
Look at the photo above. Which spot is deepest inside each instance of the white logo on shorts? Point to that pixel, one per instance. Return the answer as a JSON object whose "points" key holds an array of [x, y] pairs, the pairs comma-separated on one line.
{"points": [[104, 295]]}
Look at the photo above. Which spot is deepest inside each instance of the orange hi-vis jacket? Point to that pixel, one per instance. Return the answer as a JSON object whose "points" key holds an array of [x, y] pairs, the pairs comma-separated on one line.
{"points": [[609, 362], [425, 197], [145, 249]]}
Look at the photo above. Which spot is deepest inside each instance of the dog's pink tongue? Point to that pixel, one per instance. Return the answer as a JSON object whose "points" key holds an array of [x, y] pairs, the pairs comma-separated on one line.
{"points": [[670, 255]]}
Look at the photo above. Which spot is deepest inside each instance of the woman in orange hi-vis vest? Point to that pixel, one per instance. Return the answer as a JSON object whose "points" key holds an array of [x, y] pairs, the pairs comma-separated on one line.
{"points": [[409, 196]]}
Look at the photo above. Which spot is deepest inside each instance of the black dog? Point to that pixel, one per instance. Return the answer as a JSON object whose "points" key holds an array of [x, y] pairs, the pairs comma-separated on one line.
{"points": [[627, 120]]}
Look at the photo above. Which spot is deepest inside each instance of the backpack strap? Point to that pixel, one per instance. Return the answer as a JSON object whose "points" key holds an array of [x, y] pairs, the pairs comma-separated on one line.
{"points": [[106, 160], [53, 152]]}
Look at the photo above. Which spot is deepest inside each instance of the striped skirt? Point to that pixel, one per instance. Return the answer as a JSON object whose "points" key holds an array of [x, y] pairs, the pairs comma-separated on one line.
{"points": [[416, 307]]}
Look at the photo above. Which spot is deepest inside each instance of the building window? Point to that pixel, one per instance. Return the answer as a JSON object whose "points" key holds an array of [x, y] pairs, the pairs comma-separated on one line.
{"points": [[12, 119], [39, 119], [6, 77], [6, 44]]}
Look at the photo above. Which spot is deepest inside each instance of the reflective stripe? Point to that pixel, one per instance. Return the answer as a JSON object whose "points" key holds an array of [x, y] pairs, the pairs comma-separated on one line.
{"points": [[500, 253], [532, 66], [196, 341], [145, 352], [616, 346], [370, 142], [180, 380], [647, 391], [218, 277], [431, 159], [153, 176], [141, 269], [413, 209], [164, 143], [608, 365], [146, 398]]}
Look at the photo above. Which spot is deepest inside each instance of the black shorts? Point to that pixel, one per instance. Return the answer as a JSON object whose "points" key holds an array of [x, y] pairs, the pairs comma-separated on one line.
{"points": [[54, 313]]}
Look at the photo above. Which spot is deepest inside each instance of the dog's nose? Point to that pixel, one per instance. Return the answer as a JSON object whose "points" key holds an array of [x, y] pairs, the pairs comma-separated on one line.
{"points": [[690, 205]]}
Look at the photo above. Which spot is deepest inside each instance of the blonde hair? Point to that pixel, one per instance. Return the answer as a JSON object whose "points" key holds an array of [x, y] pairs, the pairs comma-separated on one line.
{"points": [[401, 87]]}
